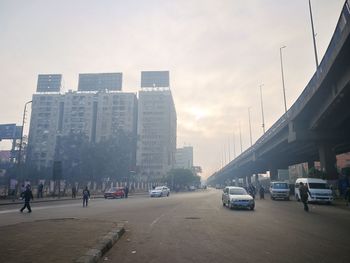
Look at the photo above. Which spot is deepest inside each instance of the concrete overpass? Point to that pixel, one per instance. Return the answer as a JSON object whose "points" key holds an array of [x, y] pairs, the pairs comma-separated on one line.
{"points": [[315, 128]]}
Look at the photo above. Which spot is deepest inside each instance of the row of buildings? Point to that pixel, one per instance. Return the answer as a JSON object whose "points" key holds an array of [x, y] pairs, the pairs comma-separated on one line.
{"points": [[100, 109]]}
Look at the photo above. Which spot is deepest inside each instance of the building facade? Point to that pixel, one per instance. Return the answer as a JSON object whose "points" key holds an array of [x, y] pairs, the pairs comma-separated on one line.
{"points": [[184, 158], [97, 114], [156, 129]]}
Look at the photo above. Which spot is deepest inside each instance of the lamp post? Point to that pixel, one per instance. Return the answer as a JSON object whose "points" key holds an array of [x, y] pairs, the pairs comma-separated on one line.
{"points": [[283, 85], [313, 34], [250, 127], [262, 108], [21, 140], [240, 136]]}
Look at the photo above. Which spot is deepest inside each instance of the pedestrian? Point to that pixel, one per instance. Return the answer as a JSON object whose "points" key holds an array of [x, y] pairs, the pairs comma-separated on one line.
{"points": [[304, 195], [86, 196], [347, 196], [262, 192], [40, 190], [23, 188], [27, 195], [74, 191], [126, 191]]}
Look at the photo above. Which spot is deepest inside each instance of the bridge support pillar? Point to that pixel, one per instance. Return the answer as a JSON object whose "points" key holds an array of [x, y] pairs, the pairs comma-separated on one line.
{"points": [[328, 161], [310, 164], [249, 180], [273, 174], [257, 179]]}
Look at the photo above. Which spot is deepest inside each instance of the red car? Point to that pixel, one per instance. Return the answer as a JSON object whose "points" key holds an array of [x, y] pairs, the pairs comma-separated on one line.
{"points": [[114, 192]]}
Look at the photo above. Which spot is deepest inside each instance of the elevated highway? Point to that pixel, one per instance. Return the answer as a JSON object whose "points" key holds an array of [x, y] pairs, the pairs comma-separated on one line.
{"points": [[315, 128]]}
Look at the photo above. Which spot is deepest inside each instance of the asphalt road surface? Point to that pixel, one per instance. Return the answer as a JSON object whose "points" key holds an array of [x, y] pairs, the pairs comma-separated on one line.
{"points": [[195, 227]]}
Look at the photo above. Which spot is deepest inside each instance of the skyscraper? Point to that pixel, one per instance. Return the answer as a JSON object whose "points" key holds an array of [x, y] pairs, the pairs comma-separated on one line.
{"points": [[156, 145]]}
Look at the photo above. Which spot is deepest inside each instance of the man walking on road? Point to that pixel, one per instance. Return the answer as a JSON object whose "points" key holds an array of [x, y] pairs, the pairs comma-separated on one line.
{"points": [[27, 195], [126, 191], [304, 195], [86, 196]]}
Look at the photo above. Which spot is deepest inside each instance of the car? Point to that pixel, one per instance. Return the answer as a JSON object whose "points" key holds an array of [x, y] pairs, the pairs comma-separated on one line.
{"points": [[279, 190], [114, 192], [159, 191], [319, 189], [237, 197]]}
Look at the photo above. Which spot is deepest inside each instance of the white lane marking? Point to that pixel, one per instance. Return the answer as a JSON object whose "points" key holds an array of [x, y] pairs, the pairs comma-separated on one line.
{"points": [[156, 220]]}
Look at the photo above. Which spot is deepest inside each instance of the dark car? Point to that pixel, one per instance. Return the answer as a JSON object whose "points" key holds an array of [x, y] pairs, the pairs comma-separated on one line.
{"points": [[114, 192]]}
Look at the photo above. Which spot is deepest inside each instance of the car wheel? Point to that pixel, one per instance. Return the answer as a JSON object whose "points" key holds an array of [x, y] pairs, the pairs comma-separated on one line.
{"points": [[168, 194], [252, 207], [287, 199], [223, 202]]}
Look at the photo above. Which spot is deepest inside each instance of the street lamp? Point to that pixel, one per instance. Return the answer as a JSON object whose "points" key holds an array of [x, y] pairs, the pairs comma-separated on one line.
{"points": [[250, 127], [262, 108], [240, 136], [313, 34], [283, 86], [21, 141]]}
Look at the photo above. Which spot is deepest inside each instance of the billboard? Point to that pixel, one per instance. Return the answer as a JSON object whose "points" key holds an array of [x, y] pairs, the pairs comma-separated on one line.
{"points": [[152, 79], [7, 131], [49, 83]]}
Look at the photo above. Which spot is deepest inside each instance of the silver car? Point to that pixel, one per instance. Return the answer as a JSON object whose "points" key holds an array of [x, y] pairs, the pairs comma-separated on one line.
{"points": [[159, 191], [237, 197]]}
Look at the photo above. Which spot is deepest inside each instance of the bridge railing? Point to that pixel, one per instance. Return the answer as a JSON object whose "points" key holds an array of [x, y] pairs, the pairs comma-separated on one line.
{"points": [[310, 89]]}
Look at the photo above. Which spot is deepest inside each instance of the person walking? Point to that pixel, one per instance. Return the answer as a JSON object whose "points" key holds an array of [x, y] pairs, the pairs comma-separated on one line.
{"points": [[27, 195], [74, 191], [304, 195], [86, 196], [40, 190], [347, 196], [262, 192], [126, 191]]}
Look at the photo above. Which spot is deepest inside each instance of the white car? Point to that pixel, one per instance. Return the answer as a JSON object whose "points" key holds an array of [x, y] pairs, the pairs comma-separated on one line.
{"points": [[279, 190], [319, 189], [159, 191], [237, 197]]}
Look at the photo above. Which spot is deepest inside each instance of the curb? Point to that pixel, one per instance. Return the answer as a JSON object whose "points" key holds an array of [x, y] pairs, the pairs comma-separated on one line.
{"points": [[46, 200], [94, 254]]}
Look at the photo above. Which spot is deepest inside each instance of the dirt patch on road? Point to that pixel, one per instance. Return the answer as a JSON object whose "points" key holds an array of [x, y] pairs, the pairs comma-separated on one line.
{"points": [[54, 240]]}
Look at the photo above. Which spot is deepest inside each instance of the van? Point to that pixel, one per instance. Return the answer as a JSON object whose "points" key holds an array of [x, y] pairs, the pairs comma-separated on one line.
{"points": [[318, 188], [279, 190]]}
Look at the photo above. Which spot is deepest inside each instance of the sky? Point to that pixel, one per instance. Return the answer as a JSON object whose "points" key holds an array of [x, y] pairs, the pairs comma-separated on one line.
{"points": [[218, 52]]}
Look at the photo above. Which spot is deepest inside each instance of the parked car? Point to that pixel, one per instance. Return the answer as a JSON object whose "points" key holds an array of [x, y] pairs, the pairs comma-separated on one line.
{"points": [[279, 190], [114, 192], [159, 191], [237, 197], [319, 189]]}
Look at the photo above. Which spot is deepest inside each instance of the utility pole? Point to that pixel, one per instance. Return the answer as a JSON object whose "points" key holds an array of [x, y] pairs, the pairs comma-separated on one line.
{"points": [[234, 146], [262, 109], [283, 85], [240, 136], [313, 34], [250, 127], [229, 150]]}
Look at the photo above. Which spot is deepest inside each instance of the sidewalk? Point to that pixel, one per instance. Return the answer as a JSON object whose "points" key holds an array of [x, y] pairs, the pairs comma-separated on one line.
{"points": [[63, 198], [54, 240]]}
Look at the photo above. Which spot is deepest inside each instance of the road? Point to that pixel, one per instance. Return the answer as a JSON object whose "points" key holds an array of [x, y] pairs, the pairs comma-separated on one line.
{"points": [[195, 227]]}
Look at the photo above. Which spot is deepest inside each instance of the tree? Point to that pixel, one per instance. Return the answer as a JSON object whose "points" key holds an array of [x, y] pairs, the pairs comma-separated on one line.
{"points": [[181, 178]]}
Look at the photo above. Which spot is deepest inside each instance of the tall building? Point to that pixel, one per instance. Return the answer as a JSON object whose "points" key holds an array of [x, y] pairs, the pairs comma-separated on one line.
{"points": [[49, 83], [97, 114], [100, 81], [156, 129], [184, 157]]}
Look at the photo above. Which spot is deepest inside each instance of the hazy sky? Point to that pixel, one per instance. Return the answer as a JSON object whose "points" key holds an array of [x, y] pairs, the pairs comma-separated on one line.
{"points": [[217, 52]]}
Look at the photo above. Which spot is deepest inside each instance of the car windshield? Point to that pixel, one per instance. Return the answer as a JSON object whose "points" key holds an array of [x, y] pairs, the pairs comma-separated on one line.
{"points": [[238, 192], [318, 186], [113, 189], [280, 186], [159, 188]]}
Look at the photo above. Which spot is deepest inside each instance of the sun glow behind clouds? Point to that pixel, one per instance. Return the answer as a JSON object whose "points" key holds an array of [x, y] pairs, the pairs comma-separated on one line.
{"points": [[198, 113]]}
